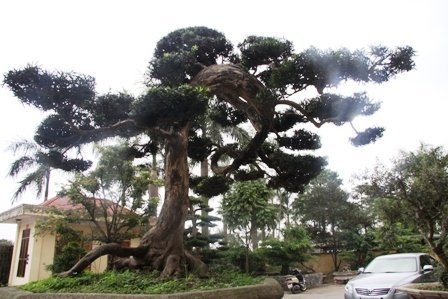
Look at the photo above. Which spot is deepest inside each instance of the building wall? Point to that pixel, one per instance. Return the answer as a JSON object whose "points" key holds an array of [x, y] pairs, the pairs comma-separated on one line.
{"points": [[100, 264], [135, 242], [40, 255], [322, 263], [41, 251], [13, 278], [44, 247], [15, 253]]}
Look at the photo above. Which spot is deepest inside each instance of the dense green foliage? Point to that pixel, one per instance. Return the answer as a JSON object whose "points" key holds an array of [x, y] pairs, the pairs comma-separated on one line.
{"points": [[295, 248], [131, 282], [67, 256], [111, 196], [194, 238], [417, 183], [246, 208], [274, 74], [325, 210]]}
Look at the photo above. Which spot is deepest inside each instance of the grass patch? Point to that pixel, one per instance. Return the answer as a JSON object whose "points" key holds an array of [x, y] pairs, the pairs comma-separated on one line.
{"points": [[131, 282]]}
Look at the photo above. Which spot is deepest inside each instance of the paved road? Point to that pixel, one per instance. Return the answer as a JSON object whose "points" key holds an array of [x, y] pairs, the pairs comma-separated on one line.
{"points": [[326, 291]]}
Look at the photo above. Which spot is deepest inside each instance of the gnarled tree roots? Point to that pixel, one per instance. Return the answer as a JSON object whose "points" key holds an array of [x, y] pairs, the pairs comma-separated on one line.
{"points": [[142, 257]]}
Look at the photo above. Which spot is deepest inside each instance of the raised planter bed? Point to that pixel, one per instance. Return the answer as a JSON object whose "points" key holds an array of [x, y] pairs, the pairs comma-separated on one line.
{"points": [[423, 291], [269, 289], [343, 277]]}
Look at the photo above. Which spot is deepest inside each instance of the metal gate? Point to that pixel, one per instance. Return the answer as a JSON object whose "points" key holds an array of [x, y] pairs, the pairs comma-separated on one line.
{"points": [[5, 262]]}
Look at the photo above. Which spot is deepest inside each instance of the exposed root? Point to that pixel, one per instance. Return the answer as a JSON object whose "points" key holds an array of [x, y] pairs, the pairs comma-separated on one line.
{"points": [[105, 249], [197, 266], [172, 266]]}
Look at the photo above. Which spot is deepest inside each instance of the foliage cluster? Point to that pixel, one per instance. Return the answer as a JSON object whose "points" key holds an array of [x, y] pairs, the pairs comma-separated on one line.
{"points": [[132, 282]]}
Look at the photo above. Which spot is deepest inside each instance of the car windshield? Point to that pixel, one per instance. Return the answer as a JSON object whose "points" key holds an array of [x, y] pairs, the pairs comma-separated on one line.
{"points": [[389, 265]]}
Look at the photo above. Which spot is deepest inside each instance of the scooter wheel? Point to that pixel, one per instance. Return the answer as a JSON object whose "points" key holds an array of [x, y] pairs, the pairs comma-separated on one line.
{"points": [[303, 287], [295, 289]]}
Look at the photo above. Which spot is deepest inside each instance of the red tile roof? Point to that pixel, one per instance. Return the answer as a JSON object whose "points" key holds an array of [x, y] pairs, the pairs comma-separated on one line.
{"points": [[64, 203]]}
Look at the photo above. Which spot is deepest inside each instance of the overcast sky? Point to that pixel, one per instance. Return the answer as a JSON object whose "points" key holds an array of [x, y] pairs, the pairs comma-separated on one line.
{"points": [[114, 40]]}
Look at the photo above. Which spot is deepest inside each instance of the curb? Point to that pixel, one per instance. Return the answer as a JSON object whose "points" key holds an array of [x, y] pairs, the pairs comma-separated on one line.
{"points": [[269, 289]]}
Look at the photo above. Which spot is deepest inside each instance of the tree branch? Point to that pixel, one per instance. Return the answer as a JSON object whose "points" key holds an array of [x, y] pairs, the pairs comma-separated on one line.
{"points": [[105, 249], [301, 110]]}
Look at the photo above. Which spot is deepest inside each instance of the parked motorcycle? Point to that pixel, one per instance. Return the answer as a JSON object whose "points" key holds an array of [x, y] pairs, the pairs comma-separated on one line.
{"points": [[296, 283]]}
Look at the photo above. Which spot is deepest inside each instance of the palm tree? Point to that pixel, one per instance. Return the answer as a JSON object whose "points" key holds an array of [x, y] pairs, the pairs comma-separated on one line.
{"points": [[39, 177], [215, 132]]}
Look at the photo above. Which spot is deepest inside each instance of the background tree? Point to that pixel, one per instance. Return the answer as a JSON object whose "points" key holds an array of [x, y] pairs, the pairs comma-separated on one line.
{"points": [[212, 134], [195, 240], [285, 207], [112, 196], [69, 242], [295, 247], [246, 208], [324, 208], [195, 70], [418, 183], [38, 162], [32, 157], [359, 239], [394, 231]]}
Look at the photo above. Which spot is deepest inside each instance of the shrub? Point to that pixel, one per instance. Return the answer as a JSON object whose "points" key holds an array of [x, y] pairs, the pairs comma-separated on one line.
{"points": [[133, 282], [69, 255]]}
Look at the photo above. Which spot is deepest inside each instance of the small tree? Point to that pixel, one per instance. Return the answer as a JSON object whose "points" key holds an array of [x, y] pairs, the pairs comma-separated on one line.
{"points": [[418, 183], [111, 195], [246, 209], [325, 210], [195, 239], [294, 248], [69, 242]]}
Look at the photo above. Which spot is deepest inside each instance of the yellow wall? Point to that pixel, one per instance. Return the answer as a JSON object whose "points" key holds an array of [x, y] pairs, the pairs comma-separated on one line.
{"points": [[44, 255], [15, 256], [41, 250], [100, 264], [13, 279], [135, 242], [40, 255], [322, 263]]}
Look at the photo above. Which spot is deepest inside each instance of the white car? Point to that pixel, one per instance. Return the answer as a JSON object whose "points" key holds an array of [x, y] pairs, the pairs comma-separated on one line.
{"points": [[385, 273]]}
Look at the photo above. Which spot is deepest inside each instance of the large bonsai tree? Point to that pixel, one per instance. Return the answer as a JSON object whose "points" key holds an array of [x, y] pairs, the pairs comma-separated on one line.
{"points": [[194, 76]]}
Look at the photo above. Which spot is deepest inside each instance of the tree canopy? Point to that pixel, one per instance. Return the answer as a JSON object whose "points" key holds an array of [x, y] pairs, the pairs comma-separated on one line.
{"points": [[325, 210], [196, 73], [417, 183]]}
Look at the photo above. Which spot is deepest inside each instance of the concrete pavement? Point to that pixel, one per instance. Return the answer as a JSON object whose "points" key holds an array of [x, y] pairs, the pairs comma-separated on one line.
{"points": [[326, 291]]}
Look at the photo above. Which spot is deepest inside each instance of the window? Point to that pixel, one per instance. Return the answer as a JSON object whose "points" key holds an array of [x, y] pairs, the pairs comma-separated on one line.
{"points": [[23, 256], [427, 260]]}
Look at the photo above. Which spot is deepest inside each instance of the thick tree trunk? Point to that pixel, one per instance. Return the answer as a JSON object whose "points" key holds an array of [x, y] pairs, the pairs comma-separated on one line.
{"points": [[166, 238], [162, 247]]}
